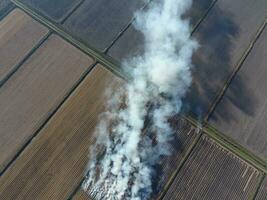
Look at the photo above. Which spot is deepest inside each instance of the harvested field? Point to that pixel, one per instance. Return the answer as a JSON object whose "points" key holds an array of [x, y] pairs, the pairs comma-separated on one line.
{"points": [[262, 194], [35, 90], [5, 7], [99, 25], [18, 36], [56, 10], [244, 118], [54, 163], [131, 42], [212, 172]]}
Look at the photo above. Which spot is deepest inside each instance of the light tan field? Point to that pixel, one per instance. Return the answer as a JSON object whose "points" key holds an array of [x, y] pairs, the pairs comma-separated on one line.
{"points": [[35, 90], [53, 164]]}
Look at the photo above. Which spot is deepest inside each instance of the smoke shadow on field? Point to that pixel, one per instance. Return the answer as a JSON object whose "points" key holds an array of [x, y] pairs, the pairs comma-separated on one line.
{"points": [[238, 96], [197, 10], [214, 62]]}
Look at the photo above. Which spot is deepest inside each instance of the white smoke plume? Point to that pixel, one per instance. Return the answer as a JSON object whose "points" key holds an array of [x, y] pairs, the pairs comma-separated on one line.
{"points": [[133, 133]]}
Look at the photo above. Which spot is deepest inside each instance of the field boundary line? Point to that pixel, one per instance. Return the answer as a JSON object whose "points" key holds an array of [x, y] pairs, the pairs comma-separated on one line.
{"points": [[25, 58], [70, 12], [124, 29], [203, 17], [236, 69], [258, 187], [232, 146]]}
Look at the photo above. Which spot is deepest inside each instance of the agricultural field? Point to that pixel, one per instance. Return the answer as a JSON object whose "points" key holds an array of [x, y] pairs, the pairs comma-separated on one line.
{"points": [[262, 193], [34, 92], [5, 7], [15, 43], [55, 10], [212, 172], [103, 23], [244, 118], [58, 58], [59, 153]]}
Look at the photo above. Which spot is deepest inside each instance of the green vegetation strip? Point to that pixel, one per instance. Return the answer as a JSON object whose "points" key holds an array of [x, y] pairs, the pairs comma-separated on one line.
{"points": [[108, 62]]}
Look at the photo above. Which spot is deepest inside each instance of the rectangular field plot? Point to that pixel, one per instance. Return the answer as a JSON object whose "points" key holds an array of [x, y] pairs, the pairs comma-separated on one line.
{"points": [[262, 194], [131, 43], [223, 36], [54, 163], [5, 7], [185, 136], [19, 33], [56, 10], [212, 172], [242, 112], [97, 23], [35, 90]]}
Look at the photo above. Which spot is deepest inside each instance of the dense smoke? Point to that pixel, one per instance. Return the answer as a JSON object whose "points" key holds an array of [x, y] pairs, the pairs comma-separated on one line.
{"points": [[133, 133]]}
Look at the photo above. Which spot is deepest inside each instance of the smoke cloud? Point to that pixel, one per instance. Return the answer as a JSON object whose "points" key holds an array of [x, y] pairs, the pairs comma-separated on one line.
{"points": [[134, 133]]}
